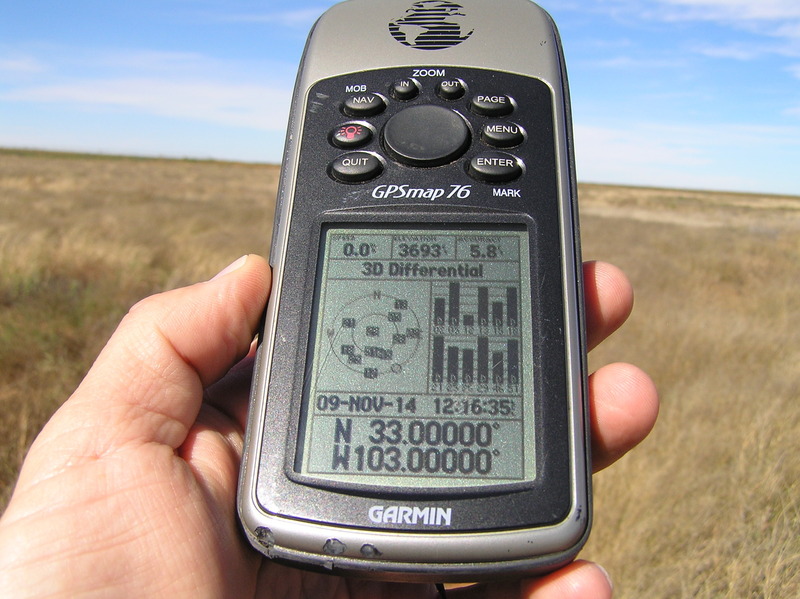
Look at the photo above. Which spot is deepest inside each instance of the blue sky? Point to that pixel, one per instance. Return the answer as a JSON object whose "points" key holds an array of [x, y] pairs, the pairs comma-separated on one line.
{"points": [[677, 93]]}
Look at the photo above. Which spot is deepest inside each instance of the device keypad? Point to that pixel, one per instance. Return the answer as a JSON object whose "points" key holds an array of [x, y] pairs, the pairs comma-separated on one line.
{"points": [[430, 124]]}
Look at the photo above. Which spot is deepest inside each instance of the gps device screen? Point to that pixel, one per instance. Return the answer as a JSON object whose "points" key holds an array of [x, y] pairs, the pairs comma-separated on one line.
{"points": [[420, 372]]}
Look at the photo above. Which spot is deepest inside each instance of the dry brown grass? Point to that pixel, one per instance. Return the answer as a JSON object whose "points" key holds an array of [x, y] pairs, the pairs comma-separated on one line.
{"points": [[708, 507], [81, 239]]}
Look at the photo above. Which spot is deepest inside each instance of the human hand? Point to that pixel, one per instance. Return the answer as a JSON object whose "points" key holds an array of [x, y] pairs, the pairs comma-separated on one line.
{"points": [[130, 489]]}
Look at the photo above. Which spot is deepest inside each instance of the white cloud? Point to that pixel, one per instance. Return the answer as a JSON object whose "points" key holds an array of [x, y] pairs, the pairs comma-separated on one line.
{"points": [[789, 30], [793, 111], [185, 85], [629, 62], [705, 10], [706, 156], [735, 10], [302, 18], [238, 105], [775, 18], [776, 22], [612, 151], [735, 51], [149, 60], [21, 64]]}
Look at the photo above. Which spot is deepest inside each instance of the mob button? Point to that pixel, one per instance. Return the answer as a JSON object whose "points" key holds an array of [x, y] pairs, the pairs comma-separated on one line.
{"points": [[355, 167]]}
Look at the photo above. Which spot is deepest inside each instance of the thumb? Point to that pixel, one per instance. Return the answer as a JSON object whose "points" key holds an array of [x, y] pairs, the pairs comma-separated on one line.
{"points": [[147, 384]]}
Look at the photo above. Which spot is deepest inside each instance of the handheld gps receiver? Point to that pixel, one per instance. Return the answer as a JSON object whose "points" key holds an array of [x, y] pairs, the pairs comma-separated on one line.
{"points": [[418, 408]]}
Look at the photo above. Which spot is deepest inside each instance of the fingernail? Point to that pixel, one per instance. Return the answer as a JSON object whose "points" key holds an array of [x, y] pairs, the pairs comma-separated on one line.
{"points": [[607, 575], [230, 268]]}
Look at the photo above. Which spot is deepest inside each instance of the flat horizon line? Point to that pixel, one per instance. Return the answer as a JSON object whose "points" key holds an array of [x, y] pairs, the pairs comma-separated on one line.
{"points": [[99, 155]]}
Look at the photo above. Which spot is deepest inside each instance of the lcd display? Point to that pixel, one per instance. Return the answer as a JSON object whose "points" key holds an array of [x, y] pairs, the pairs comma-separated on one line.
{"points": [[421, 359]]}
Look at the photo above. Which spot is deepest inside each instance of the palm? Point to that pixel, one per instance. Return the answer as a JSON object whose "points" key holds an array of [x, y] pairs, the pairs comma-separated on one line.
{"points": [[214, 462], [210, 457], [143, 505]]}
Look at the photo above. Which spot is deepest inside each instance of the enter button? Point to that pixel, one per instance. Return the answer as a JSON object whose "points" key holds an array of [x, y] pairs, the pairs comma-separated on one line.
{"points": [[495, 167]]}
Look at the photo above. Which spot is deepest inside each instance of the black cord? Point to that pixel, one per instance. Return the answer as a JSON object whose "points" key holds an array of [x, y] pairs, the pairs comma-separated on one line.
{"points": [[442, 591]]}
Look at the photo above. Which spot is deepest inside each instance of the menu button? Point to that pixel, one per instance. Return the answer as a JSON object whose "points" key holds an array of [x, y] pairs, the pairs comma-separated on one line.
{"points": [[503, 135]]}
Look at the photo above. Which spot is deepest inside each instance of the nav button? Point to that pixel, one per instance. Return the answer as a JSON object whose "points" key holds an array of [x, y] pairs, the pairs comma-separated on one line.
{"points": [[356, 167], [364, 105]]}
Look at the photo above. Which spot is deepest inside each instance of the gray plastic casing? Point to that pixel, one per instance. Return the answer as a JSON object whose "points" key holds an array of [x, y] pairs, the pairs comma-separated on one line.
{"points": [[513, 36]]}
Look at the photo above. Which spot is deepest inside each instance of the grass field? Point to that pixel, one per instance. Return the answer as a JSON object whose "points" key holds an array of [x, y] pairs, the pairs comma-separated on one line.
{"points": [[708, 506]]}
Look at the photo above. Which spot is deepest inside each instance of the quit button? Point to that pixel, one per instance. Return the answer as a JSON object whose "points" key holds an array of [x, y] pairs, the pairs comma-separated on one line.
{"points": [[355, 167]]}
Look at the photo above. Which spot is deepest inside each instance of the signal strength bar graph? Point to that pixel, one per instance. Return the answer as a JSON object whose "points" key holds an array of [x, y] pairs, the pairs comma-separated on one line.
{"points": [[457, 306], [476, 338]]}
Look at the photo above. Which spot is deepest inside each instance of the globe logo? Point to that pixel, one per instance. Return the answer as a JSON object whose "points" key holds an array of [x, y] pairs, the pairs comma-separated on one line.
{"points": [[430, 25]]}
